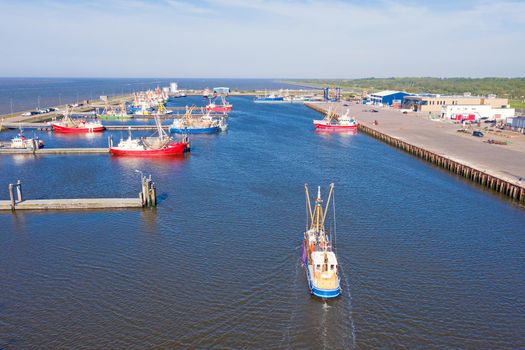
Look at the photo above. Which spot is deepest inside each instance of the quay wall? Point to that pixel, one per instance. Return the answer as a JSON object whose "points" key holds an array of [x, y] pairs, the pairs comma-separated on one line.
{"points": [[492, 182]]}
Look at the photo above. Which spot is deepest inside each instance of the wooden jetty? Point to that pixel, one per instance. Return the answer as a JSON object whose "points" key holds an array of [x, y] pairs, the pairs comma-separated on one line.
{"points": [[501, 170], [147, 197]]}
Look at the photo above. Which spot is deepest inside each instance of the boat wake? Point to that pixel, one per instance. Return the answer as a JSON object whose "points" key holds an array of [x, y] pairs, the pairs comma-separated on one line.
{"points": [[348, 303], [295, 287]]}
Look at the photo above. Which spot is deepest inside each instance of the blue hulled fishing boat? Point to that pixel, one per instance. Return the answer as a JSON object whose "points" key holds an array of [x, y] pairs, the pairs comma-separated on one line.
{"points": [[319, 260]]}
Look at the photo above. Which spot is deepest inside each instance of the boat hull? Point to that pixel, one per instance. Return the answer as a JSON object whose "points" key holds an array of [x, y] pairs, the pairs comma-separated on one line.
{"points": [[321, 292], [82, 130], [335, 127], [174, 149], [220, 109], [210, 130]]}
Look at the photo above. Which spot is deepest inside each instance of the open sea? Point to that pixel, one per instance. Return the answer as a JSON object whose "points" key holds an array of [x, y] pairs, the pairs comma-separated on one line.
{"points": [[429, 260]]}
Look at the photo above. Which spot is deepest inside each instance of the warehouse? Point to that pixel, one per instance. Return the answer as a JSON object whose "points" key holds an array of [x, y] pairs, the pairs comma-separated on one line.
{"points": [[475, 112], [387, 97], [434, 103]]}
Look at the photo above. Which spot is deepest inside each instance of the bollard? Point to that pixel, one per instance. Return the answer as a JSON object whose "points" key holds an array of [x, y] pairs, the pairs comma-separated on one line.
{"points": [[19, 190], [12, 197], [153, 195]]}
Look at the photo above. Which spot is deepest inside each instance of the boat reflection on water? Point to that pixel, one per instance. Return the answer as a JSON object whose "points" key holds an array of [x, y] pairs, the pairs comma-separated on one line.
{"points": [[132, 163]]}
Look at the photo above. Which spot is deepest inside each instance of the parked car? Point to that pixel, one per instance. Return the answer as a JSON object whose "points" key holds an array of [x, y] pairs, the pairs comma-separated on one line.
{"points": [[477, 133], [374, 110]]}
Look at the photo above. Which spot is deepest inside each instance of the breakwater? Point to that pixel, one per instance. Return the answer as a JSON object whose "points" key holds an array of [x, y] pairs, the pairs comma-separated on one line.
{"points": [[491, 181]]}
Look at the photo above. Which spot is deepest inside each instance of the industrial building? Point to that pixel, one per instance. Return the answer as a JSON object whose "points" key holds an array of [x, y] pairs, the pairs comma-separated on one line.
{"points": [[434, 103], [387, 97], [476, 112]]}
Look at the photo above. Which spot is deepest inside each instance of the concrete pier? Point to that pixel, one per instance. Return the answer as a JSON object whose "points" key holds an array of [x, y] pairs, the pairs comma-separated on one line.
{"points": [[50, 151], [500, 168], [147, 197]]}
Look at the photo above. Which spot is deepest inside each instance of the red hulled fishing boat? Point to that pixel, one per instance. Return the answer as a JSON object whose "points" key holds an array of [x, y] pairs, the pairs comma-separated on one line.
{"points": [[153, 146], [334, 122], [223, 107], [76, 126]]}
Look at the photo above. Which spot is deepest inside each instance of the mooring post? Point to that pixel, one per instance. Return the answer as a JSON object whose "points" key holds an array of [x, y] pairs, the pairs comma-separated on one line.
{"points": [[19, 190], [11, 197], [148, 191], [144, 191], [153, 193], [110, 141]]}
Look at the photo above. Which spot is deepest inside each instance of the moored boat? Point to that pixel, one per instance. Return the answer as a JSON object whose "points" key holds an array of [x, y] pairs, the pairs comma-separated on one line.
{"points": [[154, 146], [114, 113], [223, 107], [205, 124], [334, 122], [319, 259], [75, 126], [269, 99], [22, 142]]}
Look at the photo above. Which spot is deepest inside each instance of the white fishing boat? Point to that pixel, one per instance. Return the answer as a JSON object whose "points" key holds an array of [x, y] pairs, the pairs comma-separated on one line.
{"points": [[319, 259]]}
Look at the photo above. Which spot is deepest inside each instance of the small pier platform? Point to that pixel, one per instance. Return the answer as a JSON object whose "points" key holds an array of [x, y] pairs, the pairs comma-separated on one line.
{"points": [[147, 197], [71, 204], [50, 151]]}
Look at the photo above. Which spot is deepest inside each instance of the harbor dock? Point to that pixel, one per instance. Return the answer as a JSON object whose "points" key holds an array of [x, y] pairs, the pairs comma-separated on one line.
{"points": [[498, 167], [51, 151], [147, 197]]}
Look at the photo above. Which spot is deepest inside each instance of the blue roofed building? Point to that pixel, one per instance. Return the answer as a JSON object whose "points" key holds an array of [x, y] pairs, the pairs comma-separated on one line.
{"points": [[387, 97]]}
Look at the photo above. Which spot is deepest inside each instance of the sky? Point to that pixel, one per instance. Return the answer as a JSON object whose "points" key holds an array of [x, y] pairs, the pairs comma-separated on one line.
{"points": [[262, 39]]}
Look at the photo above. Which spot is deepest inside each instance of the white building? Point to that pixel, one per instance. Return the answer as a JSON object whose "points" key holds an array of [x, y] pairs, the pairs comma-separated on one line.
{"points": [[475, 112], [174, 88]]}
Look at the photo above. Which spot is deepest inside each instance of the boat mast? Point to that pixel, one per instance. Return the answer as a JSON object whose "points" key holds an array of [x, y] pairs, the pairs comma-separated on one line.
{"points": [[309, 204], [328, 202], [318, 212]]}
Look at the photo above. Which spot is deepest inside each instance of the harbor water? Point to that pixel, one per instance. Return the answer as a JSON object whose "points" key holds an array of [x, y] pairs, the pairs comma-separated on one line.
{"points": [[429, 260]]}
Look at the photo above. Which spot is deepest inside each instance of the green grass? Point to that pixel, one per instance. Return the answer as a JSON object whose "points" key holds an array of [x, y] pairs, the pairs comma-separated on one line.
{"points": [[518, 104], [512, 88]]}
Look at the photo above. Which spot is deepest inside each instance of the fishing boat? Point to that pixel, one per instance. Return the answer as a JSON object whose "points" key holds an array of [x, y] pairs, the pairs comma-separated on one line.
{"points": [[223, 107], [114, 113], [72, 126], [154, 146], [319, 259], [334, 122], [188, 124], [22, 142], [272, 98]]}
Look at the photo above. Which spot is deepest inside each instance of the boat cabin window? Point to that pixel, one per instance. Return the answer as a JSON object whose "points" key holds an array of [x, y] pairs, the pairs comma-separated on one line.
{"points": [[318, 267], [331, 267]]}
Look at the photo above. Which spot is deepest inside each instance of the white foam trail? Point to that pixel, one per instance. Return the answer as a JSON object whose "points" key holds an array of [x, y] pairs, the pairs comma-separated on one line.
{"points": [[323, 324], [348, 296], [286, 335]]}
